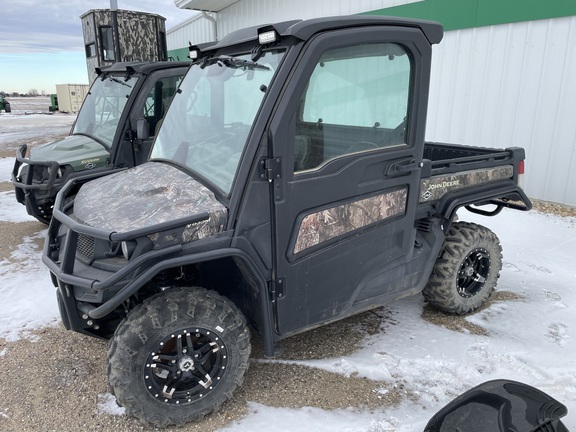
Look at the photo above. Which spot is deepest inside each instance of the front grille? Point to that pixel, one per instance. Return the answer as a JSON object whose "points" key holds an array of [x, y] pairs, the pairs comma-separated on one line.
{"points": [[85, 247], [40, 173]]}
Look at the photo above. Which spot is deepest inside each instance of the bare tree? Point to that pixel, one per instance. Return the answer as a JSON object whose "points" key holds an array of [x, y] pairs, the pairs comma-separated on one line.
{"points": [[33, 92]]}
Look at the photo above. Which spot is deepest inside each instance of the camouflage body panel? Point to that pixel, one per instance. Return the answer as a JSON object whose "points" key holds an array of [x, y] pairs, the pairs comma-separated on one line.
{"points": [[317, 228], [148, 195], [141, 36], [436, 187]]}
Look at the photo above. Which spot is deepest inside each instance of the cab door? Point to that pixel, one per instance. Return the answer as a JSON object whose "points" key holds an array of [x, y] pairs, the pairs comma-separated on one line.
{"points": [[148, 109], [347, 146]]}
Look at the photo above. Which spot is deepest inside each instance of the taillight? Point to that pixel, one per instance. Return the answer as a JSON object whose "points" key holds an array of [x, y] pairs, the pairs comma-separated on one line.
{"points": [[521, 173]]}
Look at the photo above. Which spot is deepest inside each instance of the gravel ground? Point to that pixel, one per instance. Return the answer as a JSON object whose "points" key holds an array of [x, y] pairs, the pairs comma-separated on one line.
{"points": [[55, 380]]}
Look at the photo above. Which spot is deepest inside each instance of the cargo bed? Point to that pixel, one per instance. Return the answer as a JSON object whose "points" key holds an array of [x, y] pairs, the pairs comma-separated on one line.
{"points": [[456, 175]]}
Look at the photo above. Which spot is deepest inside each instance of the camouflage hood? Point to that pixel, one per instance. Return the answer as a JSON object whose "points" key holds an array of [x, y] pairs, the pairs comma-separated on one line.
{"points": [[75, 150], [145, 196]]}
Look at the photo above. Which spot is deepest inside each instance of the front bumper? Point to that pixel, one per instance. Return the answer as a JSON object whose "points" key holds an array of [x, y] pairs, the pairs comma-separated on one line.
{"points": [[36, 186], [91, 292]]}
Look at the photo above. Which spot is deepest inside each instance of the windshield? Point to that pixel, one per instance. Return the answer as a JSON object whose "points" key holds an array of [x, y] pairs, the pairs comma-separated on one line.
{"points": [[207, 124], [103, 107]]}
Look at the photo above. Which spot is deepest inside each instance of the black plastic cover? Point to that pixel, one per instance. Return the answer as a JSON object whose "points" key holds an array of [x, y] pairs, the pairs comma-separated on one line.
{"points": [[500, 405]]}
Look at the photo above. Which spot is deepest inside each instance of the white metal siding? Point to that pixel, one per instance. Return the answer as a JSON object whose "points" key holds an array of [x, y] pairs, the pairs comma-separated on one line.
{"points": [[196, 29], [252, 12], [512, 85], [246, 13]]}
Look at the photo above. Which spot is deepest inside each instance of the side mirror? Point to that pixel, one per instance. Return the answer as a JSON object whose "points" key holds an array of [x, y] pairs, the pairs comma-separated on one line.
{"points": [[500, 406], [142, 129]]}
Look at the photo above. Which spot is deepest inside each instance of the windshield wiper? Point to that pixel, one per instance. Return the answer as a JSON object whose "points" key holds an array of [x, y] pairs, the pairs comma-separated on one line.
{"points": [[116, 80], [234, 63]]}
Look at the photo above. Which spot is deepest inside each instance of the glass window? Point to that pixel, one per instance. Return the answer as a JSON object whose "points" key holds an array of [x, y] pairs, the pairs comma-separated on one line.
{"points": [[162, 47], [103, 107], [356, 100], [91, 50], [158, 100], [207, 124], [107, 43]]}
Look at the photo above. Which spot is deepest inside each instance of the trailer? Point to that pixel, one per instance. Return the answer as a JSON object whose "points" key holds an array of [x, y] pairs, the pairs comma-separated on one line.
{"points": [[70, 97]]}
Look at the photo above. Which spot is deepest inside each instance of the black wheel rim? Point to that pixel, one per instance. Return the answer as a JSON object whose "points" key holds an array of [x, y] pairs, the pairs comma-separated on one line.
{"points": [[473, 272], [185, 366]]}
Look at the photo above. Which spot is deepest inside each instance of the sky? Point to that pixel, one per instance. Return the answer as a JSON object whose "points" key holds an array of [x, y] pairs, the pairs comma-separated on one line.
{"points": [[41, 42], [531, 339]]}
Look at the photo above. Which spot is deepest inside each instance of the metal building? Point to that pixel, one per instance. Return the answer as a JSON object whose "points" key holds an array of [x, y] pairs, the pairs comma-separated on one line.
{"points": [[503, 76]]}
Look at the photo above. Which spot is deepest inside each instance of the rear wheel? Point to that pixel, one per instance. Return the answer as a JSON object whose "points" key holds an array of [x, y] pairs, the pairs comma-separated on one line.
{"points": [[7, 107], [179, 356], [467, 270]]}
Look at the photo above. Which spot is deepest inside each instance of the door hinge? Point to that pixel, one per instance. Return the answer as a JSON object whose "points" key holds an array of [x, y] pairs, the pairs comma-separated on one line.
{"points": [[131, 135], [276, 289], [271, 169]]}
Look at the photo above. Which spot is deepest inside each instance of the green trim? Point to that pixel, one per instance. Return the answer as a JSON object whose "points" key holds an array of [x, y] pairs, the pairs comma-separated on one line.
{"points": [[179, 54], [461, 14]]}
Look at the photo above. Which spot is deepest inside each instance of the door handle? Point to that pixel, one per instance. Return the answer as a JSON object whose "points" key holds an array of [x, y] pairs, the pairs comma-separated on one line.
{"points": [[403, 167]]}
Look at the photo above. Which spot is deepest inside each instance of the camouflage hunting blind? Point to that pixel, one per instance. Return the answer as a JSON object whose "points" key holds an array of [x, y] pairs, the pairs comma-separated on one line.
{"points": [[112, 36]]}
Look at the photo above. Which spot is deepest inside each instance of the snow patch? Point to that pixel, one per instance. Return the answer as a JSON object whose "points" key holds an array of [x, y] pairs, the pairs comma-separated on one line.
{"points": [[530, 339], [107, 405], [6, 165], [28, 296], [318, 420], [11, 210]]}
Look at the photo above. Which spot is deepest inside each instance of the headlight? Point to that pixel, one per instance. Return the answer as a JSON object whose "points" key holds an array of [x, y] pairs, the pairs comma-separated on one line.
{"points": [[58, 174], [40, 173], [22, 171], [128, 248]]}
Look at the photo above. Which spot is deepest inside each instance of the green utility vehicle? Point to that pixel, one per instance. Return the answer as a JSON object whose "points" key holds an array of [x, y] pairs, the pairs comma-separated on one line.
{"points": [[114, 129], [4, 104], [289, 186]]}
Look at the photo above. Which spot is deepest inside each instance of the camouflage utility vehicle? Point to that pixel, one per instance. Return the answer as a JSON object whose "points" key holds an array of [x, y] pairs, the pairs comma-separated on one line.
{"points": [[114, 129], [289, 186]]}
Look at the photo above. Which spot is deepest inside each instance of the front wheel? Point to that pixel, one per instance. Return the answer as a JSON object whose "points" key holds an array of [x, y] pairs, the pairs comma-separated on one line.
{"points": [[179, 356], [467, 270]]}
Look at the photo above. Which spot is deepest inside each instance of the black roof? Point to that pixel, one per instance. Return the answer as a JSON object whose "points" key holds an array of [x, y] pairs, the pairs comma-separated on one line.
{"points": [[305, 29], [141, 67]]}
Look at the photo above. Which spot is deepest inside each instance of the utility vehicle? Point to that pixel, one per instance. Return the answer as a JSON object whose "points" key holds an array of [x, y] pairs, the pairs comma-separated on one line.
{"points": [[4, 104], [288, 187], [114, 129]]}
